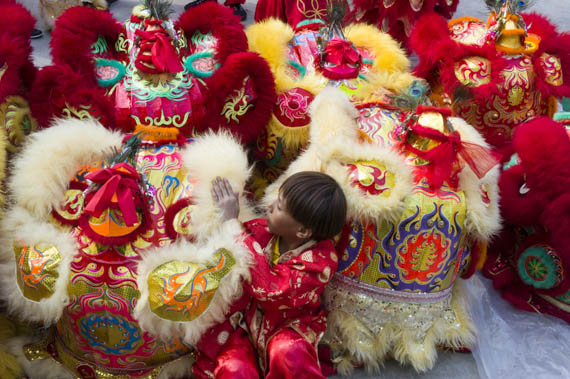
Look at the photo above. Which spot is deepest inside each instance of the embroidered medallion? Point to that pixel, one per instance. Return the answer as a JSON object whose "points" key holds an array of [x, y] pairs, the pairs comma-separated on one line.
{"points": [[539, 266]]}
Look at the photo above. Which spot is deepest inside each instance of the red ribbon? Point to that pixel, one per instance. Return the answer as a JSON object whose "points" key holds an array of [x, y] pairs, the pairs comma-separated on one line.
{"points": [[445, 112], [163, 55], [117, 180], [341, 52], [443, 157]]}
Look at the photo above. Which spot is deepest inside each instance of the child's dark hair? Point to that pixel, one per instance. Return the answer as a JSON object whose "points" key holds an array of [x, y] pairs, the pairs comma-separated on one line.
{"points": [[316, 201]]}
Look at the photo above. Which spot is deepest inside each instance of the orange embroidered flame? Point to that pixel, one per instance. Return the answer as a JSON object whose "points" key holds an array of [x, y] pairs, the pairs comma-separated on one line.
{"points": [[424, 257], [198, 288], [367, 176], [37, 265]]}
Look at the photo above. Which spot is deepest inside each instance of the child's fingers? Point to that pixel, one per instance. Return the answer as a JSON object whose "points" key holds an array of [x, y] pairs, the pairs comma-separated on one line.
{"points": [[220, 187], [214, 194], [216, 190], [228, 187]]}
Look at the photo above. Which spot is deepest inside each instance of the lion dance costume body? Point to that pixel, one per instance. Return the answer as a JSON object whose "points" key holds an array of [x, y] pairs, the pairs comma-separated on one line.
{"points": [[495, 74], [529, 263], [499, 76], [359, 59], [408, 238], [107, 237]]}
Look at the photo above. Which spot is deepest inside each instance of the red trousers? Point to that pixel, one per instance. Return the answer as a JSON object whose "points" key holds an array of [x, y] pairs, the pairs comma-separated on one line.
{"points": [[290, 357]]}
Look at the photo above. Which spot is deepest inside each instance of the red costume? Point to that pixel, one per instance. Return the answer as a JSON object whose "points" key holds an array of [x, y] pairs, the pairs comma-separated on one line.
{"points": [[529, 263], [291, 12], [17, 73], [283, 314], [396, 17], [495, 79]]}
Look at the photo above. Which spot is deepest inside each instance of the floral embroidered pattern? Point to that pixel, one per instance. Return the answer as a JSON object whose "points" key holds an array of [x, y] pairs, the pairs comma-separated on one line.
{"points": [[473, 71], [539, 266], [238, 104], [552, 69]]}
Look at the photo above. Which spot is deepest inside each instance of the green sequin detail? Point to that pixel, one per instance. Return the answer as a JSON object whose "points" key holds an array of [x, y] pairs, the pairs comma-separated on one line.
{"points": [[99, 47], [300, 68], [189, 64], [116, 64], [537, 268], [566, 104], [199, 39], [512, 162], [310, 21]]}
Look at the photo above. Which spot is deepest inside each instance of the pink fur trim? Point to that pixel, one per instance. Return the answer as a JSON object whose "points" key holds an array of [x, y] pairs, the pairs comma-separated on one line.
{"points": [[556, 217], [171, 212], [56, 86], [221, 22], [16, 50], [229, 78], [552, 43], [544, 149], [76, 30]]}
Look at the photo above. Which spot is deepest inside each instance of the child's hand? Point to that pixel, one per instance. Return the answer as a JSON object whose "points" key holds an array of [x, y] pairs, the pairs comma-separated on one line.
{"points": [[225, 198]]}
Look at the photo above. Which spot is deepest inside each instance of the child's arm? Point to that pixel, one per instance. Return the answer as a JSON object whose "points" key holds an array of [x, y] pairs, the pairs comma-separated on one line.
{"points": [[225, 198], [295, 283]]}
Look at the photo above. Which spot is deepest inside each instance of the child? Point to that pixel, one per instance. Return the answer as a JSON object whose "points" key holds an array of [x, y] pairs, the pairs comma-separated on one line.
{"points": [[294, 259]]}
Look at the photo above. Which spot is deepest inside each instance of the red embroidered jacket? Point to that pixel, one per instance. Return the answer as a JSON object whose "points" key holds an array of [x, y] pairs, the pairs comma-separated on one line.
{"points": [[287, 295]]}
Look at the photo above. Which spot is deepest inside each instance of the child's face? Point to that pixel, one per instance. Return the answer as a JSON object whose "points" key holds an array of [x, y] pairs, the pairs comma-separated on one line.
{"points": [[279, 221]]}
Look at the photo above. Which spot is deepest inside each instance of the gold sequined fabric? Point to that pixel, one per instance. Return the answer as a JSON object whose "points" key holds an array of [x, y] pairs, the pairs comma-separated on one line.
{"points": [[473, 71], [49, 347], [552, 69], [182, 291], [371, 177], [378, 308], [72, 206], [16, 119], [367, 326]]}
